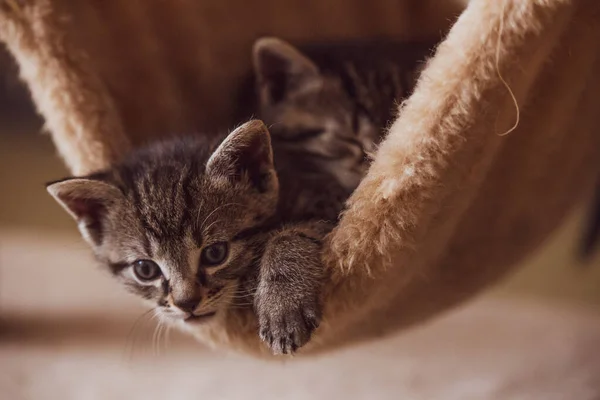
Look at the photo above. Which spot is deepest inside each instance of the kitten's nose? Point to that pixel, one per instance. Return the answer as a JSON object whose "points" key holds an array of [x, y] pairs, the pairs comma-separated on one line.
{"points": [[188, 304]]}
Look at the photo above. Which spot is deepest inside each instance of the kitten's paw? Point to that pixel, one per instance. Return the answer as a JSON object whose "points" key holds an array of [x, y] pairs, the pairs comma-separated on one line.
{"points": [[285, 327]]}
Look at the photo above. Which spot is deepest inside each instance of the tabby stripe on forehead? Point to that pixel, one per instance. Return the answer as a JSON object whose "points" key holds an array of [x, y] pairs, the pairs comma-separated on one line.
{"points": [[132, 191], [177, 199], [186, 217], [154, 228], [175, 194], [352, 83], [147, 228], [376, 92], [148, 186]]}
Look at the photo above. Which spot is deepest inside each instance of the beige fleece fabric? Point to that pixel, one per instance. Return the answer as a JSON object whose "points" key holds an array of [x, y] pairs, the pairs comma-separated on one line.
{"points": [[498, 142]]}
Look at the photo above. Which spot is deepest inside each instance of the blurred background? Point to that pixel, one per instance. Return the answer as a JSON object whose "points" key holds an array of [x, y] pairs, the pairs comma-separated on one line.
{"points": [[67, 331]]}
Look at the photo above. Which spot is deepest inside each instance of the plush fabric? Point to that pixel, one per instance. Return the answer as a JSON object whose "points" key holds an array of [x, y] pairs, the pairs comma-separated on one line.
{"points": [[498, 142]]}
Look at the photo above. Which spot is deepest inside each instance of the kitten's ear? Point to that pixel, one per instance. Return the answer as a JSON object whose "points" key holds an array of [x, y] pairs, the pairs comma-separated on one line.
{"points": [[279, 68], [246, 154], [87, 201]]}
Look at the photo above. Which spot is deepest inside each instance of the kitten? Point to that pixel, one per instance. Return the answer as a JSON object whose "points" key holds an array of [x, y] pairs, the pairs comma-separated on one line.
{"points": [[331, 102], [197, 227]]}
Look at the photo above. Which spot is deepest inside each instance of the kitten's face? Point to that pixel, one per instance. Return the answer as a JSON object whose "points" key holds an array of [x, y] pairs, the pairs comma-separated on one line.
{"points": [[176, 228], [302, 104]]}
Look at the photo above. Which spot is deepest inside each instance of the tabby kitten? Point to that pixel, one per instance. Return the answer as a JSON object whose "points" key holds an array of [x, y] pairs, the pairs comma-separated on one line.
{"points": [[196, 230], [197, 227], [330, 103]]}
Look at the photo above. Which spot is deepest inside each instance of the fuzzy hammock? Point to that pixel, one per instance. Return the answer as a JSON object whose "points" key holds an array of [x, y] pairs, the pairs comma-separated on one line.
{"points": [[499, 141]]}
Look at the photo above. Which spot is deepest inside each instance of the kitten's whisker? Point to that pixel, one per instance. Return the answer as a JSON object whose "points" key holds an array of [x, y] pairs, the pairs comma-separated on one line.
{"points": [[153, 342], [241, 302], [161, 331], [156, 332], [235, 306], [243, 295], [209, 226], [212, 300], [247, 303], [246, 297], [132, 334], [214, 211], [231, 304], [200, 208], [244, 292], [157, 341], [167, 336], [241, 305]]}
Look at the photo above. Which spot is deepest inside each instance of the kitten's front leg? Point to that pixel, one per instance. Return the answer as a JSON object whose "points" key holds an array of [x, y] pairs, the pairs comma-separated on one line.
{"points": [[287, 299]]}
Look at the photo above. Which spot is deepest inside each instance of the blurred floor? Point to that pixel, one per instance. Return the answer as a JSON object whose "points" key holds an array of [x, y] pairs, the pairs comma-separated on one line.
{"points": [[66, 328]]}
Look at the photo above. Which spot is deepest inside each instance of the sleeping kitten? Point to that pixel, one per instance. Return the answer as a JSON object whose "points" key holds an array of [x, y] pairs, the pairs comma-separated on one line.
{"points": [[198, 227], [331, 102]]}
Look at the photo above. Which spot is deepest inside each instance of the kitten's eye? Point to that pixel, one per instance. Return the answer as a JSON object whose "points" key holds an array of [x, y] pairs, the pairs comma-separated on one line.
{"points": [[214, 254], [146, 270]]}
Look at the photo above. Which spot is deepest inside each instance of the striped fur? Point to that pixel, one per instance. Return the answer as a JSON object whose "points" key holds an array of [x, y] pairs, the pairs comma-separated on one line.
{"points": [[333, 101]]}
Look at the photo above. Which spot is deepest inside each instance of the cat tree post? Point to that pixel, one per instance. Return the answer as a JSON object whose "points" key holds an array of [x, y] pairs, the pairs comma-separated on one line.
{"points": [[65, 88]]}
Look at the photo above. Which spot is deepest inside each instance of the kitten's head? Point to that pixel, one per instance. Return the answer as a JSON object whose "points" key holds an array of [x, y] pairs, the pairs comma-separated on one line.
{"points": [[302, 102], [293, 91], [177, 223]]}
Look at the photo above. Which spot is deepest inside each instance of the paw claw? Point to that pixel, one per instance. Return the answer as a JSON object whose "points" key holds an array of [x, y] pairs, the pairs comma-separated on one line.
{"points": [[311, 320], [265, 336], [286, 329]]}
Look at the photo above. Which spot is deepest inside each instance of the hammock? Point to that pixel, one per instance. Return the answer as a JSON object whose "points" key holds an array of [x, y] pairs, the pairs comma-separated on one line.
{"points": [[499, 141]]}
